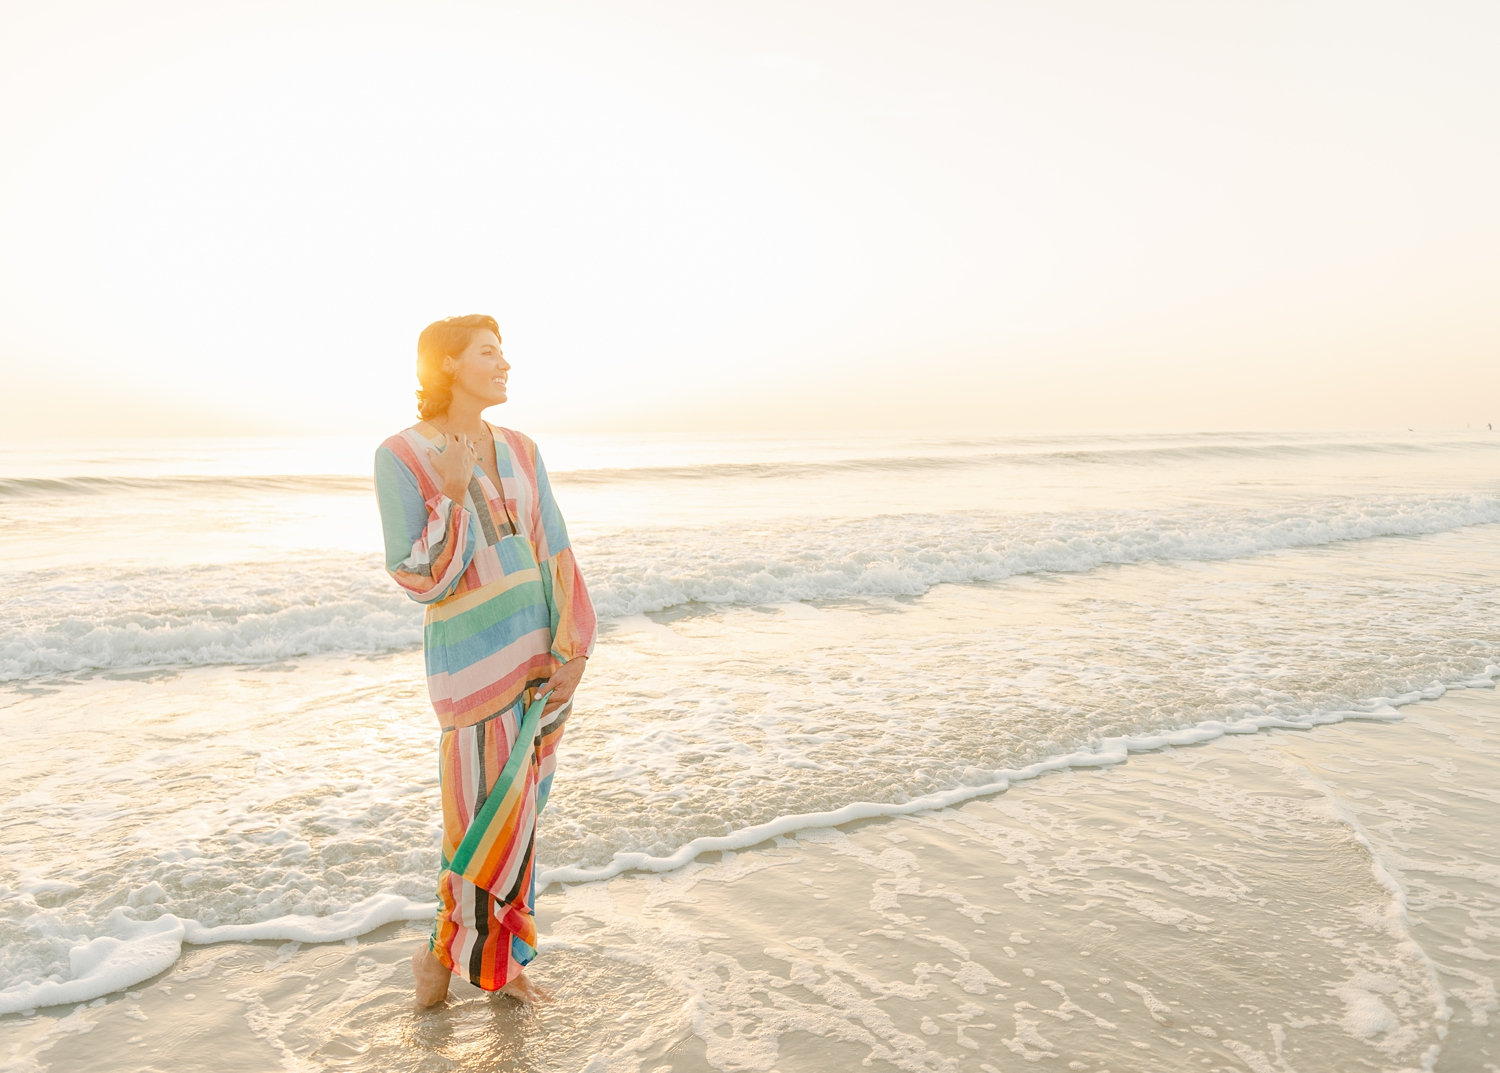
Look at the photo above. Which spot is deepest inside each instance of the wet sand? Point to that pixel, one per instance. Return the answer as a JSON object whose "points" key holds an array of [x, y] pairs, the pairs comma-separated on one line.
{"points": [[1285, 900]]}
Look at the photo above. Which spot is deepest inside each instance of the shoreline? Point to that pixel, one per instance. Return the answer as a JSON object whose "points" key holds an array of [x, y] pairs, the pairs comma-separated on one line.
{"points": [[806, 953], [145, 955]]}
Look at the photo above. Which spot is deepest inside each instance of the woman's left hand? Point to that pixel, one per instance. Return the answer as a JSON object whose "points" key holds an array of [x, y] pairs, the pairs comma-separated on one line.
{"points": [[562, 683]]}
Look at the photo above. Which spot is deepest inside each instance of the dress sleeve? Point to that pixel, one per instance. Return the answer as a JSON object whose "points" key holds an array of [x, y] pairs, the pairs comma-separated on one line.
{"points": [[429, 543], [572, 612]]}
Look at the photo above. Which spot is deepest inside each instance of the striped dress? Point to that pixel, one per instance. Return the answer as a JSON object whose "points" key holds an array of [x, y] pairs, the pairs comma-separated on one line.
{"points": [[505, 606]]}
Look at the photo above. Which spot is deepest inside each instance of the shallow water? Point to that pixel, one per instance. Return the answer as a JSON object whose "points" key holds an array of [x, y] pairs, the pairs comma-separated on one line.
{"points": [[1320, 900]]}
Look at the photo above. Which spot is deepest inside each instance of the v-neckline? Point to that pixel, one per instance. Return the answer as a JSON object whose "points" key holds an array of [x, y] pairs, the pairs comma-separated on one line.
{"points": [[493, 489], [497, 485]]}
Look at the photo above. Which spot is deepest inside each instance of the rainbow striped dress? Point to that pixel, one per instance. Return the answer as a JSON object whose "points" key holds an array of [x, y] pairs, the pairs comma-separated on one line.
{"points": [[505, 606]]}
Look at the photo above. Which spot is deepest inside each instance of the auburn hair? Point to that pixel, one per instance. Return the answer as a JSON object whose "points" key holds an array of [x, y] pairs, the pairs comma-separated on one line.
{"points": [[440, 341]]}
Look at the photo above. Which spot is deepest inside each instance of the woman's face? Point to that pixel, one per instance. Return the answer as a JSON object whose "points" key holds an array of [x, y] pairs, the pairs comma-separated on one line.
{"points": [[480, 369]]}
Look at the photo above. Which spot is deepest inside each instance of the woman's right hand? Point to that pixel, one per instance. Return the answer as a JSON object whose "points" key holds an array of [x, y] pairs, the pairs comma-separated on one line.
{"points": [[454, 463]]}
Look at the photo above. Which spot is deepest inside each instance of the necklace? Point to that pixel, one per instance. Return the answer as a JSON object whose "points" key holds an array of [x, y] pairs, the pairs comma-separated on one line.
{"points": [[484, 434], [489, 438]]}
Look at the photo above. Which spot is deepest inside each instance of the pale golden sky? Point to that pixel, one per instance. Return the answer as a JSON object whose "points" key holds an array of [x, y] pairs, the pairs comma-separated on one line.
{"points": [[769, 216]]}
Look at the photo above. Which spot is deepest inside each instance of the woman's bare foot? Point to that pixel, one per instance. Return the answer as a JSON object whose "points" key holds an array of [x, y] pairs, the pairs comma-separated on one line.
{"points": [[524, 991], [432, 977]]}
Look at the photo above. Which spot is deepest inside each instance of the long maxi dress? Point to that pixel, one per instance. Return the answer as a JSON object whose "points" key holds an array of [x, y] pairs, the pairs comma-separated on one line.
{"points": [[505, 607]]}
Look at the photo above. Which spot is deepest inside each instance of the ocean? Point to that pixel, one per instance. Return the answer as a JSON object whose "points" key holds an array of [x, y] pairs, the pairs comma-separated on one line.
{"points": [[218, 737]]}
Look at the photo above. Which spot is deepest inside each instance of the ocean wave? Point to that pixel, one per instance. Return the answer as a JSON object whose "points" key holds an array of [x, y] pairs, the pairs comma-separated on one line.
{"points": [[246, 613], [177, 484], [934, 456], [236, 613], [906, 555], [1045, 453]]}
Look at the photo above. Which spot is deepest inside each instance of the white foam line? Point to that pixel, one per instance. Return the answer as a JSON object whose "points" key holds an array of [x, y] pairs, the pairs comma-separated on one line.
{"points": [[133, 951], [374, 912], [1397, 912], [1397, 917], [1109, 752], [138, 951]]}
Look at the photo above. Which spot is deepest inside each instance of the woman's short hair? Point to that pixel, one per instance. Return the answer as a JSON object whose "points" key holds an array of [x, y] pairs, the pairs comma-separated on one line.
{"points": [[439, 341]]}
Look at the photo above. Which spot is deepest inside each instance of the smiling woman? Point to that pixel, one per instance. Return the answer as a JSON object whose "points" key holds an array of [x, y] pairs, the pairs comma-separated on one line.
{"points": [[480, 363], [472, 532]]}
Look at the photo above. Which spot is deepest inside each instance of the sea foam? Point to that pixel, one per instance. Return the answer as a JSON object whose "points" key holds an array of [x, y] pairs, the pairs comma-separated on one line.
{"points": [[122, 951], [119, 619], [130, 951]]}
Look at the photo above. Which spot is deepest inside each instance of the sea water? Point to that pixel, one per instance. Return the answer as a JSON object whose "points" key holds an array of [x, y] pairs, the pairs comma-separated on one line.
{"points": [[216, 725]]}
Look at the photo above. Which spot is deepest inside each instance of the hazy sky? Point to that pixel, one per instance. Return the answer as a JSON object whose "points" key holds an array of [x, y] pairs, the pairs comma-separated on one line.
{"points": [[766, 216]]}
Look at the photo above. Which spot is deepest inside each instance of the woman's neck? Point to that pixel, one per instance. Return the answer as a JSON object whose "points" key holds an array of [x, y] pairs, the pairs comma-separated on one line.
{"points": [[464, 417]]}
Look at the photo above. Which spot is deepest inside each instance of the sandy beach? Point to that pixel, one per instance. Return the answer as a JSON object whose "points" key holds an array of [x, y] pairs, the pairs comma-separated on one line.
{"points": [[1284, 900]]}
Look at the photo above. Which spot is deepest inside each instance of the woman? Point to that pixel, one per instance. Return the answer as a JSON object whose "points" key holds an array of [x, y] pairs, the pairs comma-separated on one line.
{"points": [[472, 532]]}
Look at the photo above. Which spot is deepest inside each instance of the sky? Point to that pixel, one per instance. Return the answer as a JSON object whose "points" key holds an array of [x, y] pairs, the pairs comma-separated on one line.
{"points": [[770, 217]]}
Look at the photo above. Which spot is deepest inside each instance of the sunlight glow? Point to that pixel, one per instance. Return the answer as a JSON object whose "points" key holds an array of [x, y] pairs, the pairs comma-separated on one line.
{"points": [[996, 217]]}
